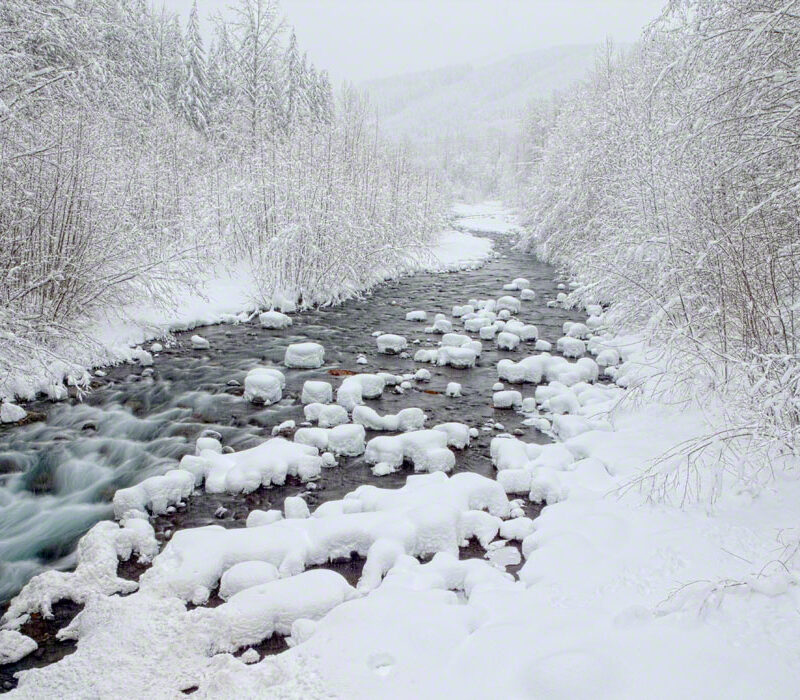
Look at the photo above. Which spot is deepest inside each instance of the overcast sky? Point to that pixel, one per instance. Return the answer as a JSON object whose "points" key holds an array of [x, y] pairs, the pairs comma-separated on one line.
{"points": [[362, 39]]}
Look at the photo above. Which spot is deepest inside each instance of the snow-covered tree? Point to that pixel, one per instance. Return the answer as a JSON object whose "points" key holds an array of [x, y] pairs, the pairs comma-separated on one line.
{"points": [[195, 88]]}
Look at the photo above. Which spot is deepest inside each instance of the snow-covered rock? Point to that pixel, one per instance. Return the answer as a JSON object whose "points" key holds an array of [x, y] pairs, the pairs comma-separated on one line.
{"points": [[507, 399], [405, 420], [294, 508], [526, 332], [474, 325], [246, 574], [459, 357], [507, 341], [425, 449], [577, 330], [304, 355], [511, 303], [257, 518], [419, 316], [347, 440], [608, 358], [316, 392], [327, 416], [488, 332], [265, 464], [274, 319], [527, 370], [11, 413], [454, 340], [453, 390], [200, 343], [156, 493], [15, 646], [264, 385], [458, 434], [571, 347], [459, 311], [391, 344], [260, 611]]}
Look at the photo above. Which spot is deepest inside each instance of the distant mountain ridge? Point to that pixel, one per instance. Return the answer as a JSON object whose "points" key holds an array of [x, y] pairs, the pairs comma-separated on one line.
{"points": [[468, 100]]}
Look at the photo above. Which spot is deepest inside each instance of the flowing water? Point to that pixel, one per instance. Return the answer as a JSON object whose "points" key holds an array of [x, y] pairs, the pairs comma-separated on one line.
{"points": [[57, 476]]}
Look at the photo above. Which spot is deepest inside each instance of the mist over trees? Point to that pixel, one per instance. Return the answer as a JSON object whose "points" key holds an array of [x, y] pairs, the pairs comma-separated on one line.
{"points": [[669, 180], [134, 159]]}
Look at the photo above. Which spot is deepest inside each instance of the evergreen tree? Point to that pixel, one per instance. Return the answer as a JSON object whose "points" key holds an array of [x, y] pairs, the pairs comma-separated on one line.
{"points": [[195, 90]]}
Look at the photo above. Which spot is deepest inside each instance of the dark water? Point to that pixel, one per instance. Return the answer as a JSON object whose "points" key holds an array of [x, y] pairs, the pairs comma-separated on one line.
{"points": [[57, 476]]}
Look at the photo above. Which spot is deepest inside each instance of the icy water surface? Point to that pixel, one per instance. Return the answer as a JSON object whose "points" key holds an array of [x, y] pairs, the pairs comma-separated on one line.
{"points": [[57, 476]]}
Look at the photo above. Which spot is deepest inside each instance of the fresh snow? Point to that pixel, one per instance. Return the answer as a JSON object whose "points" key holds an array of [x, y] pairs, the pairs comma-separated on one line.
{"points": [[626, 587]]}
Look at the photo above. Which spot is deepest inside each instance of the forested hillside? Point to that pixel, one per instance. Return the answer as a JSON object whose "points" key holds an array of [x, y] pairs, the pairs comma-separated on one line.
{"points": [[465, 119], [667, 182]]}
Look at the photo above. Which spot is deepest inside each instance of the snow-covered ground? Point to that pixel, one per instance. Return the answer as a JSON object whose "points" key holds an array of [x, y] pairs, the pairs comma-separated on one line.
{"points": [[485, 217], [620, 595], [458, 250]]}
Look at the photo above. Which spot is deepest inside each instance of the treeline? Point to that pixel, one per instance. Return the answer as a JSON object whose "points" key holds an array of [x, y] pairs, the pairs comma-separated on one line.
{"points": [[134, 161], [669, 183]]}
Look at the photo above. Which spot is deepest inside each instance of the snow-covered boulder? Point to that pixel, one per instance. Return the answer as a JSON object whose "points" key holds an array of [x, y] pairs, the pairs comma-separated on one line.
{"points": [[15, 646], [453, 390], [263, 385], [256, 518], [474, 325], [458, 434], [316, 392], [608, 358], [507, 399], [274, 319], [488, 332], [528, 370], [294, 507], [418, 315], [11, 413], [391, 344], [156, 494], [571, 347], [347, 440], [304, 355], [405, 420], [460, 358], [200, 343], [425, 449], [454, 340], [246, 574], [507, 341], [258, 612], [440, 325], [508, 302], [326, 416], [525, 332], [577, 330]]}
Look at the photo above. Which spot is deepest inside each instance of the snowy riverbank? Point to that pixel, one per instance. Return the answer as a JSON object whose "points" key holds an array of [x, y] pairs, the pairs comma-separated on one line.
{"points": [[227, 297]]}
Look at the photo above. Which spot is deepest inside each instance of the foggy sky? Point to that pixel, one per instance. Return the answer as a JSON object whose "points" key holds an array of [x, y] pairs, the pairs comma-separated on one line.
{"points": [[362, 39]]}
